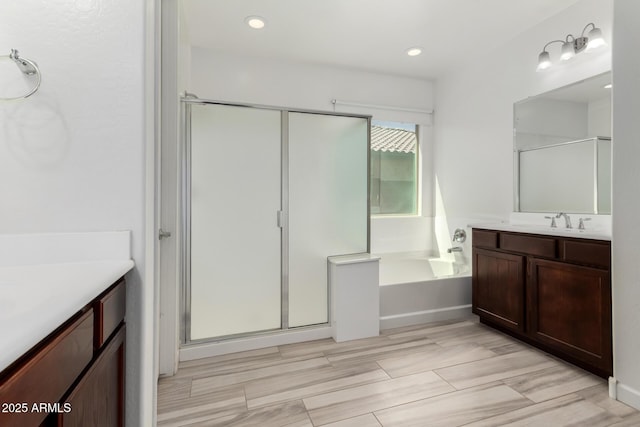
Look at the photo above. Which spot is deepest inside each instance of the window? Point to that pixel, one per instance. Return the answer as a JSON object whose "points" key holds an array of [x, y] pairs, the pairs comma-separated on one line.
{"points": [[394, 168]]}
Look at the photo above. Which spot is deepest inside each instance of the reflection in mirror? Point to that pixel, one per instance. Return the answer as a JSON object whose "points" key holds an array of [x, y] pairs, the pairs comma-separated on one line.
{"points": [[562, 149]]}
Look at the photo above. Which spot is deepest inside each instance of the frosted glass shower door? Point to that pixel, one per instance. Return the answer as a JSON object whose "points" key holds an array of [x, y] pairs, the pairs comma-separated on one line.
{"points": [[328, 205], [235, 248]]}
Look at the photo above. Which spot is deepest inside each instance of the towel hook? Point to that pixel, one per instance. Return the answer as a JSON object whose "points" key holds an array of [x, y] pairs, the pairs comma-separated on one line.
{"points": [[29, 68]]}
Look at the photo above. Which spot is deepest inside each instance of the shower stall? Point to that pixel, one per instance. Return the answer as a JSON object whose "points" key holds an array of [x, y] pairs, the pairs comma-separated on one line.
{"points": [[267, 195]]}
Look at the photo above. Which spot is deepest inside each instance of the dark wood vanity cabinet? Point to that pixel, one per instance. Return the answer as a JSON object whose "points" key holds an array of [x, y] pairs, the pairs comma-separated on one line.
{"points": [[75, 376], [552, 292], [97, 398], [498, 288]]}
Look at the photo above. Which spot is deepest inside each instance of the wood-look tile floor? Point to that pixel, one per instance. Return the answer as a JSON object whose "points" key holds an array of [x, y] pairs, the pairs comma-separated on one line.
{"points": [[456, 373]]}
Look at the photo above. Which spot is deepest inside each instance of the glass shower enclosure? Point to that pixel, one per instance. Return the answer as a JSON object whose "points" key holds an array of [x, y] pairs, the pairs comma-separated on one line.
{"points": [[268, 194]]}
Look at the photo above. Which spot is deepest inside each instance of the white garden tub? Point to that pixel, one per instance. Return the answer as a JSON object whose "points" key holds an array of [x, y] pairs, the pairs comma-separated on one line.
{"points": [[418, 288]]}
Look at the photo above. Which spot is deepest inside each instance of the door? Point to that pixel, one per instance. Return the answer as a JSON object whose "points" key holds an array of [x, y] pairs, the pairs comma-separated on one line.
{"points": [[234, 239], [498, 288], [269, 196], [569, 309]]}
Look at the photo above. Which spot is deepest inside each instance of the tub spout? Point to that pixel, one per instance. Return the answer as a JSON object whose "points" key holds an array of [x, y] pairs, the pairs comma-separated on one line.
{"points": [[454, 249]]}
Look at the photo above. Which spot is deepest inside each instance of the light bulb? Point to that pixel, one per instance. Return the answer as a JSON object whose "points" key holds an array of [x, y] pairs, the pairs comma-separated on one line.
{"points": [[568, 51], [544, 61], [414, 51], [595, 40], [255, 22]]}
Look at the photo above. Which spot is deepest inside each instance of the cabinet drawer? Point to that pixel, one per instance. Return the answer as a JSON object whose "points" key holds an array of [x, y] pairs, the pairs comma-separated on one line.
{"points": [[47, 375], [485, 239], [585, 252], [109, 312], [531, 245]]}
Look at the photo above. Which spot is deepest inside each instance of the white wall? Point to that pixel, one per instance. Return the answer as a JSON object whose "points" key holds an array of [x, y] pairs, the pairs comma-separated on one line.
{"points": [[242, 79], [72, 157], [626, 205], [600, 117], [473, 124]]}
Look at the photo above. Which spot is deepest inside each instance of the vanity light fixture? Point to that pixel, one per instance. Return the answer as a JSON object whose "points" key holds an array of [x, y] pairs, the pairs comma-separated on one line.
{"points": [[255, 22], [572, 45], [414, 51]]}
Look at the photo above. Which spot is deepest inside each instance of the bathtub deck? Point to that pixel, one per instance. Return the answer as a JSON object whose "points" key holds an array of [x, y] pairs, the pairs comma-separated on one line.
{"points": [[447, 373]]}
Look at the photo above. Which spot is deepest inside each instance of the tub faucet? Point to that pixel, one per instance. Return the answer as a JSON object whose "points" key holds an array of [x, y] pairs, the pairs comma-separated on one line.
{"points": [[454, 249], [567, 220]]}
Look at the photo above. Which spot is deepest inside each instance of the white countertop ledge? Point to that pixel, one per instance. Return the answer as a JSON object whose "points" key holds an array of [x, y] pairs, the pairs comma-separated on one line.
{"points": [[38, 295], [352, 258], [545, 230]]}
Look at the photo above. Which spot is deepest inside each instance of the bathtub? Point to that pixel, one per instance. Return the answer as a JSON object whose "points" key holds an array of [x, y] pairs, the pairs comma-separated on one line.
{"points": [[418, 288]]}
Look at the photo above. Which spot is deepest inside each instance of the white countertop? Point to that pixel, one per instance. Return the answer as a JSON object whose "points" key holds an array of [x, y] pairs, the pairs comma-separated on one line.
{"points": [[37, 299], [37, 296], [545, 230]]}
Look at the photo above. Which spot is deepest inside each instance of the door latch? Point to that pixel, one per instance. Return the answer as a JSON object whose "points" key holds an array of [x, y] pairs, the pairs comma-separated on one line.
{"points": [[163, 234], [280, 219]]}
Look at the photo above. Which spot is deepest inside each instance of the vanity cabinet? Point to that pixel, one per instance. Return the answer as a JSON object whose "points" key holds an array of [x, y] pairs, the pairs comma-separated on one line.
{"points": [[75, 376], [498, 288], [97, 398], [552, 292]]}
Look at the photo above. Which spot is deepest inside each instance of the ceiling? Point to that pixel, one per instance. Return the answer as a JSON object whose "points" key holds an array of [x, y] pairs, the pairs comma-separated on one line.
{"points": [[366, 34]]}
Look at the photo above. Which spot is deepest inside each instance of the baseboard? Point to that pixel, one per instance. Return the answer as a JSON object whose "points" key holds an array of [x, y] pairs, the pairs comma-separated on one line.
{"points": [[426, 316], [628, 395], [200, 351]]}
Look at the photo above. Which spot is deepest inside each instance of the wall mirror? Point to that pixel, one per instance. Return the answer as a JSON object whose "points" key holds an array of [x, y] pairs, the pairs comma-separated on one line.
{"points": [[562, 149]]}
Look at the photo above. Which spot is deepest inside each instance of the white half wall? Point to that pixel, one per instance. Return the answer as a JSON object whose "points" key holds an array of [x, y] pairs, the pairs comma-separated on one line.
{"points": [[72, 156], [626, 205]]}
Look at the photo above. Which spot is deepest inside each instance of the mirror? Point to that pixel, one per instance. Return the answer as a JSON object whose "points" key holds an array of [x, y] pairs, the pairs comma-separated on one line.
{"points": [[562, 149]]}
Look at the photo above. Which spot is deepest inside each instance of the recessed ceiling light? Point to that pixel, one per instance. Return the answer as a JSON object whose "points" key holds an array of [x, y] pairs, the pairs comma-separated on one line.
{"points": [[414, 51], [255, 22], [608, 86]]}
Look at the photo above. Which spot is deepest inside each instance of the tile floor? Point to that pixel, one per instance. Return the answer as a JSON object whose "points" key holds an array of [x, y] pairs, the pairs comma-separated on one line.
{"points": [[456, 373]]}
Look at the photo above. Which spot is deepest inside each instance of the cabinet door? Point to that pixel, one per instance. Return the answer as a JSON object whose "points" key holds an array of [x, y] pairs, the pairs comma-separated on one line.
{"points": [[569, 308], [498, 288], [98, 399]]}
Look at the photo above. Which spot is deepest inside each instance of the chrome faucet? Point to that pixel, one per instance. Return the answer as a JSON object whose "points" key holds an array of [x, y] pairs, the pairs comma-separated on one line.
{"points": [[454, 249], [581, 223], [567, 220], [553, 221]]}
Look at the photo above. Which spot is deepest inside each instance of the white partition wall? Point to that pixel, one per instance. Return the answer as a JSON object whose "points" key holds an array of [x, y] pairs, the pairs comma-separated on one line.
{"points": [[328, 205], [235, 284]]}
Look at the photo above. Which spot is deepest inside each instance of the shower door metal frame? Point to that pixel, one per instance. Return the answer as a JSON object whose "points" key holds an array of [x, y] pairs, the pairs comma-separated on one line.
{"points": [[283, 216]]}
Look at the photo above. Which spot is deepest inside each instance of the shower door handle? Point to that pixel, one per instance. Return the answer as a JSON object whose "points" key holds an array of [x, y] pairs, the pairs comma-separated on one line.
{"points": [[280, 219]]}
